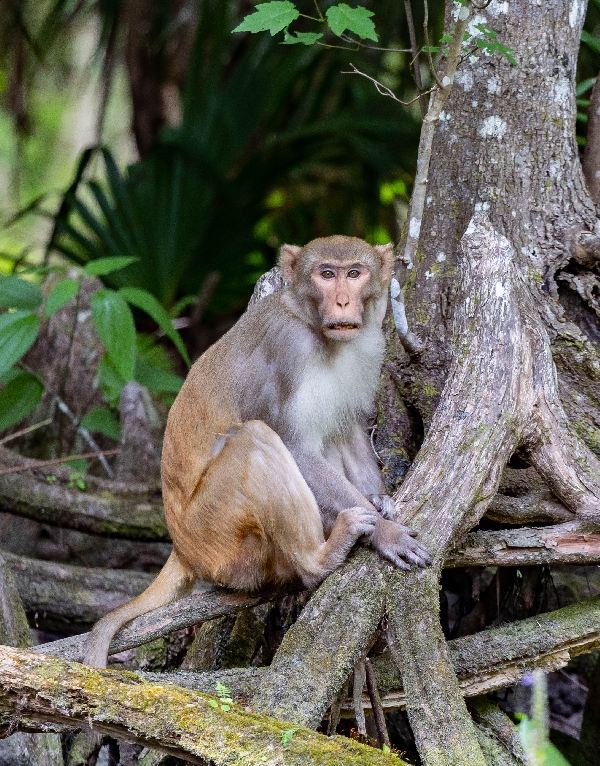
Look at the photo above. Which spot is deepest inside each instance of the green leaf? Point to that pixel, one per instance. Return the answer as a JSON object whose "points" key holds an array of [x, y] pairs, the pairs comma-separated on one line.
{"points": [[61, 294], [114, 322], [585, 85], [591, 40], [430, 49], [157, 380], [286, 736], [102, 266], [306, 38], [18, 399], [16, 293], [101, 420], [222, 690], [18, 330], [213, 703], [341, 17], [145, 301], [110, 382], [273, 16]]}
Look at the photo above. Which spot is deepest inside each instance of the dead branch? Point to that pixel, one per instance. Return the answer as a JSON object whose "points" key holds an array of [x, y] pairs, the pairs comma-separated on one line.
{"points": [[81, 595], [199, 607], [62, 595], [571, 543], [183, 723]]}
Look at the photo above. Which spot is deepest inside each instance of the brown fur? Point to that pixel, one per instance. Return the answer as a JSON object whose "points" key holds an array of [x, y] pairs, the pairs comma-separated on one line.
{"points": [[263, 442]]}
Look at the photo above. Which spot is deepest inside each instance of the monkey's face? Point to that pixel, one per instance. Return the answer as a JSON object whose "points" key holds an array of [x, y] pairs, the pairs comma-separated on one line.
{"points": [[341, 288]]}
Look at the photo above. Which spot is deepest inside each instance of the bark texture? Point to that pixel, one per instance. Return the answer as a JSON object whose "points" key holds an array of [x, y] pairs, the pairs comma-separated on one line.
{"points": [[484, 383], [40, 692]]}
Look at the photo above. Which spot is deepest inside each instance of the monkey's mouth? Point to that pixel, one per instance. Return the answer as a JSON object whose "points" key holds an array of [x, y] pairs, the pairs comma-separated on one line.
{"points": [[341, 330], [343, 326]]}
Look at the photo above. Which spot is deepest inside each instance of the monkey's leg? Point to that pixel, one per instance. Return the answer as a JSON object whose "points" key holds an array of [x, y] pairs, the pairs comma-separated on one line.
{"points": [[254, 520], [173, 581]]}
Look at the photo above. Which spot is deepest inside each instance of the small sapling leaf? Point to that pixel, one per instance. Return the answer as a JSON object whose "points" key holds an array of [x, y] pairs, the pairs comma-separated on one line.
{"points": [[306, 38], [61, 294], [358, 20], [272, 17], [286, 736]]}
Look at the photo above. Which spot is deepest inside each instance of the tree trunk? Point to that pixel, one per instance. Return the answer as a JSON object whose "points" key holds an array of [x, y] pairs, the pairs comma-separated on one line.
{"points": [[481, 382]]}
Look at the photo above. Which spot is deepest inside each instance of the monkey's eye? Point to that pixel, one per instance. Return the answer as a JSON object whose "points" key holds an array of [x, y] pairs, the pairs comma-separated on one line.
{"points": [[327, 274], [354, 273]]}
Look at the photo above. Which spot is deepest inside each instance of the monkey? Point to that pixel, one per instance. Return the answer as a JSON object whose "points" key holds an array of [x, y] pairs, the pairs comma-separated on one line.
{"points": [[268, 474]]}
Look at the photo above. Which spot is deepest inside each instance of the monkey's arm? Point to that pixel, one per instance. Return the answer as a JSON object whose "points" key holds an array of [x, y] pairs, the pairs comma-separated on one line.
{"points": [[333, 493], [361, 469]]}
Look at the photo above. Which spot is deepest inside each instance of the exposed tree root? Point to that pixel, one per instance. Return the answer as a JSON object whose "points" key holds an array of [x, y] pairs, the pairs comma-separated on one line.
{"points": [[500, 395], [490, 660]]}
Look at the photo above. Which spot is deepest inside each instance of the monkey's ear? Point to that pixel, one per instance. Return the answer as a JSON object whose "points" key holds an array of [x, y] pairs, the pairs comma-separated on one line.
{"points": [[288, 259], [386, 261]]}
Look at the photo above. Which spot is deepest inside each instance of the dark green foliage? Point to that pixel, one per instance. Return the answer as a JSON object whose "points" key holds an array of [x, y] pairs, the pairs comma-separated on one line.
{"points": [[276, 145]]}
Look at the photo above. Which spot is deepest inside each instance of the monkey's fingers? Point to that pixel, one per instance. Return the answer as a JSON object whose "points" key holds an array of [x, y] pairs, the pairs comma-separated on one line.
{"points": [[396, 560], [409, 530]]}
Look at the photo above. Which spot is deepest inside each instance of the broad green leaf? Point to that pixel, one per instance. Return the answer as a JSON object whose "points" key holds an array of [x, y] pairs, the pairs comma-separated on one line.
{"points": [[273, 16], [157, 380], [61, 294], [114, 322], [102, 266], [18, 399], [358, 20], [306, 38], [101, 420], [17, 293], [591, 40], [145, 301], [18, 331], [110, 382]]}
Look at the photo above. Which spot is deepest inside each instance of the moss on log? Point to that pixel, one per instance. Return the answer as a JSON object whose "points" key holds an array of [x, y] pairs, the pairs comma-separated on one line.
{"points": [[37, 691]]}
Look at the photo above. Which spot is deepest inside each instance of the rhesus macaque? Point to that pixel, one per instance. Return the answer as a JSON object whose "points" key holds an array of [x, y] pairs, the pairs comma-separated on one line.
{"points": [[268, 474]]}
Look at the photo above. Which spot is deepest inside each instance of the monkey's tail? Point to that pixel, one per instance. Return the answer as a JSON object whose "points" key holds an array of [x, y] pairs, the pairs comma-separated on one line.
{"points": [[173, 581]]}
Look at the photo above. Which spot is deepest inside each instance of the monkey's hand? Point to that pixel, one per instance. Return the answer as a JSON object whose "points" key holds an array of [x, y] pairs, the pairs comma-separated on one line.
{"points": [[396, 543], [384, 504]]}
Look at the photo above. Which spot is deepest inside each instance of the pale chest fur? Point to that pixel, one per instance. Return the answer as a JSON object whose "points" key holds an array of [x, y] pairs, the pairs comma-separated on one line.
{"points": [[338, 389]]}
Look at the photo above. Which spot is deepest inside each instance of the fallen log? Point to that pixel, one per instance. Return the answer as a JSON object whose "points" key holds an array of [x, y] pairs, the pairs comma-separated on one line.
{"points": [[104, 508], [38, 692], [67, 597]]}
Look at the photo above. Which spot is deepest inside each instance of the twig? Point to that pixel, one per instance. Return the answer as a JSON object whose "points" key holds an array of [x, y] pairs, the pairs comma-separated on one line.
{"points": [[383, 89], [64, 408], [56, 461], [436, 105], [336, 708], [376, 706], [428, 43], [24, 431], [415, 52]]}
